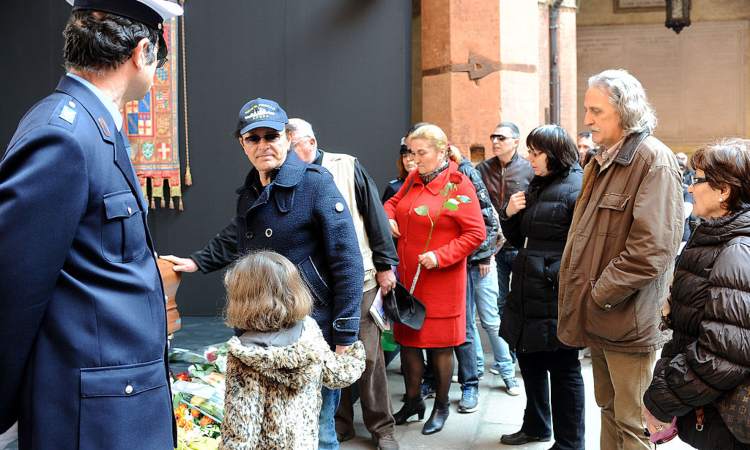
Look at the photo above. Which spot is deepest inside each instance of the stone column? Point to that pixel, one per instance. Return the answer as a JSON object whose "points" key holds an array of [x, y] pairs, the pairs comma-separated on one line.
{"points": [[513, 36], [567, 63], [466, 109]]}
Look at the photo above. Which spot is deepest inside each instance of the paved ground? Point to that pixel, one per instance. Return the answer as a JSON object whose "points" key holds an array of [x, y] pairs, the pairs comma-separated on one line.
{"points": [[498, 412]]}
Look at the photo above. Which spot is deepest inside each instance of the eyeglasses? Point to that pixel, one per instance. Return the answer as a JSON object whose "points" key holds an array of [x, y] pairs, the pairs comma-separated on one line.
{"points": [[269, 137], [499, 137], [699, 180]]}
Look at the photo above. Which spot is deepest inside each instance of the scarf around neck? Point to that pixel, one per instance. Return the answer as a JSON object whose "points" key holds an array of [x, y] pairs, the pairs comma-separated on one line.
{"points": [[427, 177]]}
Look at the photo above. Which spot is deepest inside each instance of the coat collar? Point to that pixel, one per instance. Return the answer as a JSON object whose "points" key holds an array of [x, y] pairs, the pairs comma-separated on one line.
{"points": [[513, 159], [436, 185], [627, 151], [289, 174], [92, 104]]}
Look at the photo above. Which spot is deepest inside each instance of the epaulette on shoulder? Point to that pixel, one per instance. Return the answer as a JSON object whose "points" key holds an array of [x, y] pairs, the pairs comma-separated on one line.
{"points": [[66, 113]]}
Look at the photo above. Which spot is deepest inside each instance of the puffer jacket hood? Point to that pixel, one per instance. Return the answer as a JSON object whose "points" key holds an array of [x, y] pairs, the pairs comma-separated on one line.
{"points": [[723, 229], [292, 365]]}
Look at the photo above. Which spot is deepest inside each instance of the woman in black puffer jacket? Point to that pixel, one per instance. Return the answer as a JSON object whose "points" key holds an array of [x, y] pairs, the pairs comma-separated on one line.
{"points": [[709, 354], [537, 222]]}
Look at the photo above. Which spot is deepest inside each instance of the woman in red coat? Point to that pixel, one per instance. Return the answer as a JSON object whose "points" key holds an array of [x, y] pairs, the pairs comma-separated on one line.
{"points": [[436, 218]]}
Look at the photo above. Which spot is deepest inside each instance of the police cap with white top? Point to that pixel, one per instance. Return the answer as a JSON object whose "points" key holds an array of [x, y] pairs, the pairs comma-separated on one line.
{"points": [[151, 13]]}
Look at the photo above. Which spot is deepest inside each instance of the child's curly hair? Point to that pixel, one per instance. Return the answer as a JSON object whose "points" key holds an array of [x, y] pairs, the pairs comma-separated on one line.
{"points": [[265, 293]]}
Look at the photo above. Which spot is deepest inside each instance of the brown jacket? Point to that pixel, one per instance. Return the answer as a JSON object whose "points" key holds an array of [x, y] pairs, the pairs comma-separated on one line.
{"points": [[618, 260]]}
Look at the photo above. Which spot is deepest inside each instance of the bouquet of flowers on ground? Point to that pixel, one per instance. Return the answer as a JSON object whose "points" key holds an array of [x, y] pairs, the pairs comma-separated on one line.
{"points": [[198, 397]]}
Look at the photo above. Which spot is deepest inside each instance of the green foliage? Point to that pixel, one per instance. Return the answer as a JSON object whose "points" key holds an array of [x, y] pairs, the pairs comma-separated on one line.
{"points": [[451, 204], [422, 210], [448, 188]]}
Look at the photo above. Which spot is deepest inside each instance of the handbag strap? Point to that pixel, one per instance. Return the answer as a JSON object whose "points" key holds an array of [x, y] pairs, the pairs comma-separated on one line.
{"points": [[416, 278]]}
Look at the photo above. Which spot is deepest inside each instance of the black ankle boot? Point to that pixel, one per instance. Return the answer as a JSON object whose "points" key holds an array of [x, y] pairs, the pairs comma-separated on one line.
{"points": [[437, 419], [411, 406]]}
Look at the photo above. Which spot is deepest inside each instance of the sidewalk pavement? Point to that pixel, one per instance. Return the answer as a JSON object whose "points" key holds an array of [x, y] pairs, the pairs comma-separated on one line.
{"points": [[498, 414]]}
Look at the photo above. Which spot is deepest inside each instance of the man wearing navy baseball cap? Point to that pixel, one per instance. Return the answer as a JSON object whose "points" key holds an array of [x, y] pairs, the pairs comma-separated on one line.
{"points": [[82, 312], [295, 209]]}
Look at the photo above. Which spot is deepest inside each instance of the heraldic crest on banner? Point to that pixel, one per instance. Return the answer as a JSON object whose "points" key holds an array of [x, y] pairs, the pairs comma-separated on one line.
{"points": [[151, 125]]}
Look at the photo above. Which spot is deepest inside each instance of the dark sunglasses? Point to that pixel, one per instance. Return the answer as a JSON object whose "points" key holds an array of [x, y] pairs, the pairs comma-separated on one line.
{"points": [[699, 180], [499, 137], [269, 137]]}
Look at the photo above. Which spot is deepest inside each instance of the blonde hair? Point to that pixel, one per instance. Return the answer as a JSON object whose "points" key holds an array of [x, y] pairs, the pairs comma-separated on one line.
{"points": [[454, 154], [432, 134], [265, 293]]}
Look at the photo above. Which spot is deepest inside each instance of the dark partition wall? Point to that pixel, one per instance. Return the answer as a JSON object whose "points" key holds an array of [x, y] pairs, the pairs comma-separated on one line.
{"points": [[343, 65]]}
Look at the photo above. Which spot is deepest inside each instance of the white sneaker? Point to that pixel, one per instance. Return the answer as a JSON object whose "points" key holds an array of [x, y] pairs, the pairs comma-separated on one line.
{"points": [[512, 387]]}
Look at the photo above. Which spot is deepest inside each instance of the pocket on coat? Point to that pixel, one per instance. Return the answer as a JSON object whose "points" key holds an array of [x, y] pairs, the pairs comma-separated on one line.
{"points": [[125, 406], [314, 281], [616, 202], [610, 211], [617, 324], [123, 230]]}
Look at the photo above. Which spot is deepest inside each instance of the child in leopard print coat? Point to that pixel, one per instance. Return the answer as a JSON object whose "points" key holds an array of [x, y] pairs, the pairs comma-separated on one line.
{"points": [[276, 368]]}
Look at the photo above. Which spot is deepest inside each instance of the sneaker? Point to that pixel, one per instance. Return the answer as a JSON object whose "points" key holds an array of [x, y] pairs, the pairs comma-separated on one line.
{"points": [[387, 442], [512, 387], [494, 370], [469, 399], [427, 390]]}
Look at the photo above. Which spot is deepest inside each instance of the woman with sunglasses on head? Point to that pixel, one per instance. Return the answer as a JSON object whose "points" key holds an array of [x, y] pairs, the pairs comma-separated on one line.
{"points": [[437, 218], [537, 222], [709, 306]]}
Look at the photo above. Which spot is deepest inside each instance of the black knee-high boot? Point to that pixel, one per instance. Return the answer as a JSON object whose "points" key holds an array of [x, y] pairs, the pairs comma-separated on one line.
{"points": [[437, 419]]}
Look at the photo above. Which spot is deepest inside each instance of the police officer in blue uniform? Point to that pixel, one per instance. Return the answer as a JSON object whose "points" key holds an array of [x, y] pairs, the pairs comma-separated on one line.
{"points": [[82, 309]]}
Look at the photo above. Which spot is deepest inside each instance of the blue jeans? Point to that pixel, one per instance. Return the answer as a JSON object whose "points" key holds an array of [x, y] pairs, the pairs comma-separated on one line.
{"points": [[482, 294], [327, 435], [468, 373]]}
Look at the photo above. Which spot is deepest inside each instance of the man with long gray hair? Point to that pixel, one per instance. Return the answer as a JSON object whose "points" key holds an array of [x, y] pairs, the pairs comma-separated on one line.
{"points": [[618, 260]]}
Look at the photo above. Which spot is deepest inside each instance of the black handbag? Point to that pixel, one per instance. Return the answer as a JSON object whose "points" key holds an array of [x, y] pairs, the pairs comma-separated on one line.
{"points": [[403, 307]]}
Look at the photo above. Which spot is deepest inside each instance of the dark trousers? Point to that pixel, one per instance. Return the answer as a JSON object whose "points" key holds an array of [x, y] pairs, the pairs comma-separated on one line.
{"points": [[372, 386], [466, 353], [559, 373]]}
